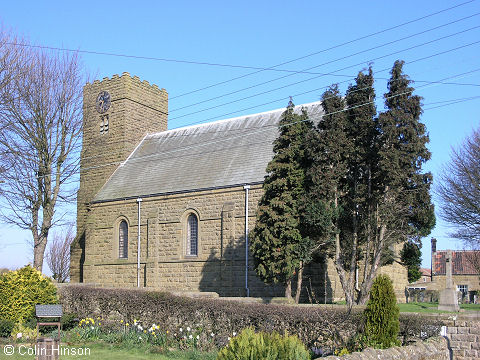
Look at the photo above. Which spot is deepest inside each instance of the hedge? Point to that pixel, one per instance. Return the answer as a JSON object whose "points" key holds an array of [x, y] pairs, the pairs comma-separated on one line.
{"points": [[316, 326]]}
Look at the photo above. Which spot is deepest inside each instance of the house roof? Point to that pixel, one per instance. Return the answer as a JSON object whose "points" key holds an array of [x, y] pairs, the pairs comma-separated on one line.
{"points": [[425, 272], [462, 262], [213, 155]]}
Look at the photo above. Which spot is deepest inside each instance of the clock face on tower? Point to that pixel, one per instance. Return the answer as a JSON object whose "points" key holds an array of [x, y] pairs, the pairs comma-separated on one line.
{"points": [[103, 102]]}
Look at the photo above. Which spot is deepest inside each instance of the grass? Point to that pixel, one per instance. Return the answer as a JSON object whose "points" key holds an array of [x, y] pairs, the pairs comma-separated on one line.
{"points": [[102, 351], [432, 307]]}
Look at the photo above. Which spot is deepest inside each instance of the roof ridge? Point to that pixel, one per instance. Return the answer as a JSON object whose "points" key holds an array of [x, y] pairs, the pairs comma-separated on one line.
{"points": [[170, 131]]}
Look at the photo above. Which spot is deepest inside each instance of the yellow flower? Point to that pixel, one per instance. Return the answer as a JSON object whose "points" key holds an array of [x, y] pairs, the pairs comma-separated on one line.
{"points": [[99, 323], [145, 331], [167, 331], [121, 321], [127, 324]]}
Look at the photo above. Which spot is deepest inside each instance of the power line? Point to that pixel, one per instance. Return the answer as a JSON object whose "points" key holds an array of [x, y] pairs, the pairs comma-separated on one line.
{"points": [[409, 62], [147, 157], [260, 69], [432, 83], [305, 71], [326, 49], [259, 129]]}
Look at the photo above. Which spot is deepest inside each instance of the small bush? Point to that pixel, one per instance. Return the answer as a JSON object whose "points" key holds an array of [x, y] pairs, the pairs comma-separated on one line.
{"points": [[381, 315], [69, 321], [262, 345], [6, 327], [23, 333], [20, 290]]}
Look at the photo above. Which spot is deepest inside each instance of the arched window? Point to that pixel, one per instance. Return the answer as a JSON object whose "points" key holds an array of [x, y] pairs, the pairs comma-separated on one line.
{"points": [[123, 240], [192, 235]]}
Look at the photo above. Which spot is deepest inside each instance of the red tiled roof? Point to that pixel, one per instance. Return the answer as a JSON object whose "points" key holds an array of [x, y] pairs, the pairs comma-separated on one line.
{"points": [[462, 262], [425, 272]]}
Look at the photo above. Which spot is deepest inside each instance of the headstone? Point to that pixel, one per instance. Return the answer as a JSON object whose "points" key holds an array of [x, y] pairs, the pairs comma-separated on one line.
{"points": [[448, 299]]}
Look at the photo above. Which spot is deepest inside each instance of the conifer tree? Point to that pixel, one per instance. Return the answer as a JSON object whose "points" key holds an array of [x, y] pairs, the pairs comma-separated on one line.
{"points": [[278, 247], [325, 181], [381, 315], [411, 256], [365, 190], [400, 191]]}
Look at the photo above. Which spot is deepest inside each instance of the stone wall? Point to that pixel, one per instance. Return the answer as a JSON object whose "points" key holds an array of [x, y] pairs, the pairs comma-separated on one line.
{"points": [[220, 264], [432, 349], [463, 333], [473, 282]]}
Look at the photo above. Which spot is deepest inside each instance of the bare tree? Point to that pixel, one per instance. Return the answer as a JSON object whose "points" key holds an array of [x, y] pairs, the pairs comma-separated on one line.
{"points": [[459, 192], [41, 121], [58, 254]]}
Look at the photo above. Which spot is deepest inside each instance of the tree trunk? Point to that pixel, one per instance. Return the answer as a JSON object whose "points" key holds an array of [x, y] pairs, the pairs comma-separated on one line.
{"points": [[40, 243], [299, 283], [288, 289]]}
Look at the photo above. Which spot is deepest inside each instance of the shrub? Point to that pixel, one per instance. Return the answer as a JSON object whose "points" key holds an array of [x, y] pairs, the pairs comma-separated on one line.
{"points": [[381, 315], [20, 290], [6, 327], [69, 321], [22, 333], [262, 345]]}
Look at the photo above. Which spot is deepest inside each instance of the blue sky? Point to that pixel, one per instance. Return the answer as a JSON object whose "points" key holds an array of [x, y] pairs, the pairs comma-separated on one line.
{"points": [[260, 34]]}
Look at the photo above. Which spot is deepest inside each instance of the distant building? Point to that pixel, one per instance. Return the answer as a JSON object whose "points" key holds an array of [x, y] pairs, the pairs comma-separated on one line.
{"points": [[426, 275], [465, 272]]}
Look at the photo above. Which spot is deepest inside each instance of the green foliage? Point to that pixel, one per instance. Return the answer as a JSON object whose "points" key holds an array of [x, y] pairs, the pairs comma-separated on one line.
{"points": [[249, 345], [6, 327], [411, 256], [69, 321], [23, 333], [382, 314], [20, 290], [277, 244]]}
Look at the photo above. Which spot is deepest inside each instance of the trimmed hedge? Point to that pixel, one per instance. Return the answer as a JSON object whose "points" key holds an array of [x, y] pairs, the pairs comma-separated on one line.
{"points": [[316, 326]]}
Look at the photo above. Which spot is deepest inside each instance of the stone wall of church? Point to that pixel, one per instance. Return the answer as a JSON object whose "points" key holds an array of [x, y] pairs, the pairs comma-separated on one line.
{"points": [[220, 264]]}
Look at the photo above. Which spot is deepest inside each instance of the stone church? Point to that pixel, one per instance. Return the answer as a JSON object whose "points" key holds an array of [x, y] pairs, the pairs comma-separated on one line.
{"points": [[170, 209]]}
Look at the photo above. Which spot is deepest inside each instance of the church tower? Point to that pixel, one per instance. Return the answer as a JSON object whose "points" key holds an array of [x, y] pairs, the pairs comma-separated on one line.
{"points": [[117, 114]]}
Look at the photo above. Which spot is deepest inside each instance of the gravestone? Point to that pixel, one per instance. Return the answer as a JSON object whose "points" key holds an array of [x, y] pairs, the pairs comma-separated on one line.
{"points": [[448, 299]]}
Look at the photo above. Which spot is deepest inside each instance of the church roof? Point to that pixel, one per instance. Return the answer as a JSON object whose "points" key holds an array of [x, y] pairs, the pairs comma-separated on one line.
{"points": [[219, 154]]}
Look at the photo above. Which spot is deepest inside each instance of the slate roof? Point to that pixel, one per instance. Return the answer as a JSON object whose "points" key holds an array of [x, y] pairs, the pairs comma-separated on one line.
{"points": [[213, 155], [48, 311], [462, 262]]}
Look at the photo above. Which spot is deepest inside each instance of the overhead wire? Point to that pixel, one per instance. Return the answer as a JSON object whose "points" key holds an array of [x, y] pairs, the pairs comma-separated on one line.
{"points": [[314, 77], [263, 104], [259, 129], [327, 49], [433, 83], [305, 71]]}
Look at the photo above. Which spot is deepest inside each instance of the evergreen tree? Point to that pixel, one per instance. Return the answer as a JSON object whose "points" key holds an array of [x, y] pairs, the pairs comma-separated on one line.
{"points": [[381, 315], [278, 247], [325, 184], [365, 190], [411, 257]]}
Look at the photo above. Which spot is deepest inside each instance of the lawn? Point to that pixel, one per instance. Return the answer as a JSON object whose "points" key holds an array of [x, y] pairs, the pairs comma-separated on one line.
{"points": [[432, 307], [102, 351]]}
